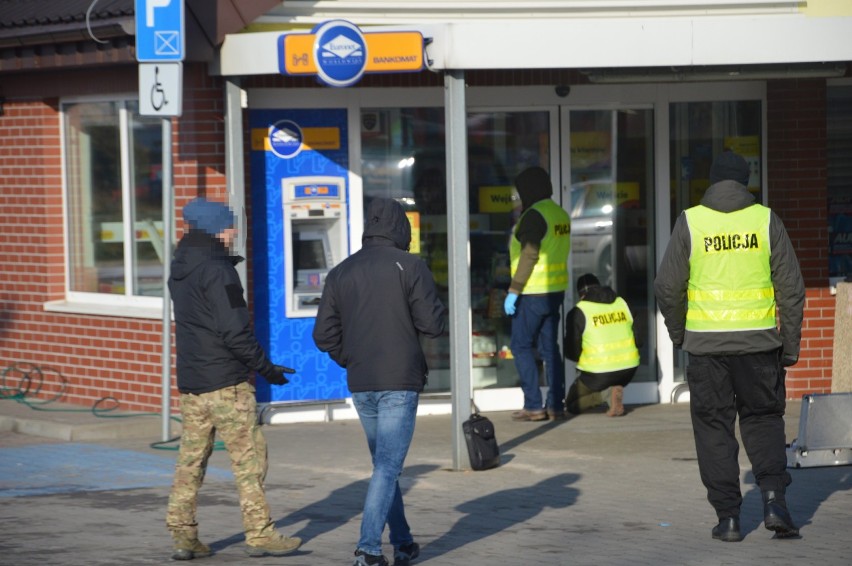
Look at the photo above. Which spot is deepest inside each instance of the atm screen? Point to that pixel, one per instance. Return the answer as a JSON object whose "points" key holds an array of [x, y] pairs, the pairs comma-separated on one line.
{"points": [[309, 254]]}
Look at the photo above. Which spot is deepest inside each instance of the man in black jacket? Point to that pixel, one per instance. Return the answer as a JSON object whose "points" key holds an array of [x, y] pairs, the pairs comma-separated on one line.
{"points": [[217, 356], [727, 265], [375, 306]]}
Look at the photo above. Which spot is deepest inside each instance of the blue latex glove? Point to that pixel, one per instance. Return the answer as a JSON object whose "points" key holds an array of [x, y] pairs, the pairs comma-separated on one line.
{"points": [[509, 303]]}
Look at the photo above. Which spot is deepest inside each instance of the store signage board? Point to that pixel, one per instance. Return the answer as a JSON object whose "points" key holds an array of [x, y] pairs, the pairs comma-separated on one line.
{"points": [[339, 53]]}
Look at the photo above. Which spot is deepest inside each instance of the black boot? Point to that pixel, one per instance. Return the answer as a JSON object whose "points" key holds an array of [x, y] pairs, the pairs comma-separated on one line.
{"points": [[776, 517], [728, 530]]}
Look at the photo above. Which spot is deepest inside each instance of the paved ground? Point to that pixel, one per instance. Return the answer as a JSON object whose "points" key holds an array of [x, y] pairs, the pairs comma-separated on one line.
{"points": [[588, 491]]}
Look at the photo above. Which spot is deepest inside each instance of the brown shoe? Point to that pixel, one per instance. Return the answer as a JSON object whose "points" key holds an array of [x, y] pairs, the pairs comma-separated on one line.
{"points": [[274, 547], [616, 404], [524, 415], [556, 415]]}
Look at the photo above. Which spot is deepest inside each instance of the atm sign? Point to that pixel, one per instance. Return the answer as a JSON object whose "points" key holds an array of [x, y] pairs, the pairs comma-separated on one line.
{"points": [[339, 53], [316, 191]]}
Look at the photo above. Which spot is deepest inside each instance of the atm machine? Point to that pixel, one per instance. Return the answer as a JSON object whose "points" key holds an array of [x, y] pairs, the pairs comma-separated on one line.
{"points": [[315, 238], [300, 179]]}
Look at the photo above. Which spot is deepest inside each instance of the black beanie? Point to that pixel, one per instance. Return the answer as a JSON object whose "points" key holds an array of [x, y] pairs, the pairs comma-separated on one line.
{"points": [[586, 282], [729, 166]]}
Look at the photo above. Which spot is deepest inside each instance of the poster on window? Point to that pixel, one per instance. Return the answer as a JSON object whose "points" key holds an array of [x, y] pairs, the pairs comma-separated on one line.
{"points": [[840, 232]]}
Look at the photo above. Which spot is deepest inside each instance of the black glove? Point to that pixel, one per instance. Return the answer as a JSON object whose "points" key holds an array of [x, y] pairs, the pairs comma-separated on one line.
{"points": [[788, 361], [276, 375]]}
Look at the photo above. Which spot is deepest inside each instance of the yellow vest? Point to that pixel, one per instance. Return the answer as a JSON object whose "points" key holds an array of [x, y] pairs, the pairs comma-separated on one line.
{"points": [[608, 342], [730, 282], [550, 273]]}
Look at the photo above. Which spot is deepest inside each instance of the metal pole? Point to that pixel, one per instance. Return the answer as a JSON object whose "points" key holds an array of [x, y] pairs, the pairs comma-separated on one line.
{"points": [[168, 208], [234, 169], [458, 240]]}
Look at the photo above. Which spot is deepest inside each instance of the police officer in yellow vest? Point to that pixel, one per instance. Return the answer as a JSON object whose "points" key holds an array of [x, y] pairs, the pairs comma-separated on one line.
{"points": [[538, 251], [728, 265], [599, 337]]}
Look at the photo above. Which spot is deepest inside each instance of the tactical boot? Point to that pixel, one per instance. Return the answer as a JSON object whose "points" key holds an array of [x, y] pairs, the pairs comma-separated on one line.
{"points": [[187, 548], [580, 398], [274, 547], [776, 517], [616, 404], [728, 530]]}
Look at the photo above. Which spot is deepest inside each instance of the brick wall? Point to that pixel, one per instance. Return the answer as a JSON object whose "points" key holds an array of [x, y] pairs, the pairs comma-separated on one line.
{"points": [[796, 119], [83, 357]]}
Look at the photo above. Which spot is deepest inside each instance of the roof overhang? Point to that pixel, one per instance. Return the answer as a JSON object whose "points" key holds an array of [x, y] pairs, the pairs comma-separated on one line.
{"points": [[582, 43]]}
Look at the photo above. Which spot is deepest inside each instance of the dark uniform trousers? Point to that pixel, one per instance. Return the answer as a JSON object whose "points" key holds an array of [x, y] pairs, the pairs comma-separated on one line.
{"points": [[720, 388]]}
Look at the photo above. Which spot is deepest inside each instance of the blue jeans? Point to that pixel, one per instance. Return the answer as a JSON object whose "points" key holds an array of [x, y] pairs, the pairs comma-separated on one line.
{"points": [[536, 322], [388, 419]]}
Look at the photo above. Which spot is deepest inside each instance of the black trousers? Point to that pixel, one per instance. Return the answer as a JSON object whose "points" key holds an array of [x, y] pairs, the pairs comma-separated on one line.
{"points": [[720, 388]]}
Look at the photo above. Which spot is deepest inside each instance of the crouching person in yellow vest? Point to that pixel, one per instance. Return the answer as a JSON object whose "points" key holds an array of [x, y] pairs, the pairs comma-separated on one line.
{"points": [[599, 337]]}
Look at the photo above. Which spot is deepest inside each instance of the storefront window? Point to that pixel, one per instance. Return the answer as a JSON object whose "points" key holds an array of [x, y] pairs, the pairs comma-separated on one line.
{"points": [[839, 177], [403, 157], [113, 165], [500, 146], [699, 132]]}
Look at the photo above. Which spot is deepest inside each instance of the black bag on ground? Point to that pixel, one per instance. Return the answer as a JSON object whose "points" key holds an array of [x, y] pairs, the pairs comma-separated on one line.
{"points": [[481, 443]]}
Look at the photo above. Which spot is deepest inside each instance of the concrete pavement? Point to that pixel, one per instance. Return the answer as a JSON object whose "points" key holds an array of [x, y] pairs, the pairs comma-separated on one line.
{"points": [[592, 490]]}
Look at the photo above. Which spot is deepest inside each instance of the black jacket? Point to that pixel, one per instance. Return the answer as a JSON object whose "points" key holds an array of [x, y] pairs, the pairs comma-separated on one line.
{"points": [[575, 325], [673, 278], [216, 346], [575, 320], [376, 303]]}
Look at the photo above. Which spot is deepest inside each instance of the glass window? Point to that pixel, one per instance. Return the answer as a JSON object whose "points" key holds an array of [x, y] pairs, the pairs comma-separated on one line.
{"points": [[113, 165], [403, 157], [839, 178], [500, 146], [699, 132]]}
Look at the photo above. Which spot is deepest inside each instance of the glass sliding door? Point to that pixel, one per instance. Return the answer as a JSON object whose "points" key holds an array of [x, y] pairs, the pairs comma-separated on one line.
{"points": [[698, 132], [609, 171]]}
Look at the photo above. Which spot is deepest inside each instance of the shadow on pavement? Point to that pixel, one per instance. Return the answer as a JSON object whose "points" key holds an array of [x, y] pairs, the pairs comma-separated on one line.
{"points": [[504, 509]]}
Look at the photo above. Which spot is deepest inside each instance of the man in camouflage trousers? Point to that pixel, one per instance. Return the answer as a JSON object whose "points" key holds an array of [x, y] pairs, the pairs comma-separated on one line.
{"points": [[217, 355]]}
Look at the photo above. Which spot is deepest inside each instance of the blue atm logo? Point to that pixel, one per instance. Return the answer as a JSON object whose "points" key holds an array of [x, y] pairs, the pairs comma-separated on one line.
{"points": [[159, 30], [285, 139], [341, 53]]}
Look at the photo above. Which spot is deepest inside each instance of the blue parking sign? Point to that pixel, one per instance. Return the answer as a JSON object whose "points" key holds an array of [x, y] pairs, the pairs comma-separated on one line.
{"points": [[159, 30]]}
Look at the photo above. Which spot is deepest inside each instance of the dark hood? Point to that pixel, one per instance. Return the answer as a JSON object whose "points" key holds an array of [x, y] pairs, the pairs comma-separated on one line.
{"points": [[727, 196], [533, 185], [195, 248], [600, 294], [386, 219]]}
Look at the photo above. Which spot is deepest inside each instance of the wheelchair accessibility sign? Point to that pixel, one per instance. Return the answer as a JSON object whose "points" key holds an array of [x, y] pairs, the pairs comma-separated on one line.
{"points": [[160, 89]]}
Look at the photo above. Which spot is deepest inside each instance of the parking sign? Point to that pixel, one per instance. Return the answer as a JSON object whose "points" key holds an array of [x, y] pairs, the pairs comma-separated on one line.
{"points": [[159, 30]]}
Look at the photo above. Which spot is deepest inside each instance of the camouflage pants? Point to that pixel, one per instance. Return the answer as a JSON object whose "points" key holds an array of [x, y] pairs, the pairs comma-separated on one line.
{"points": [[232, 412]]}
